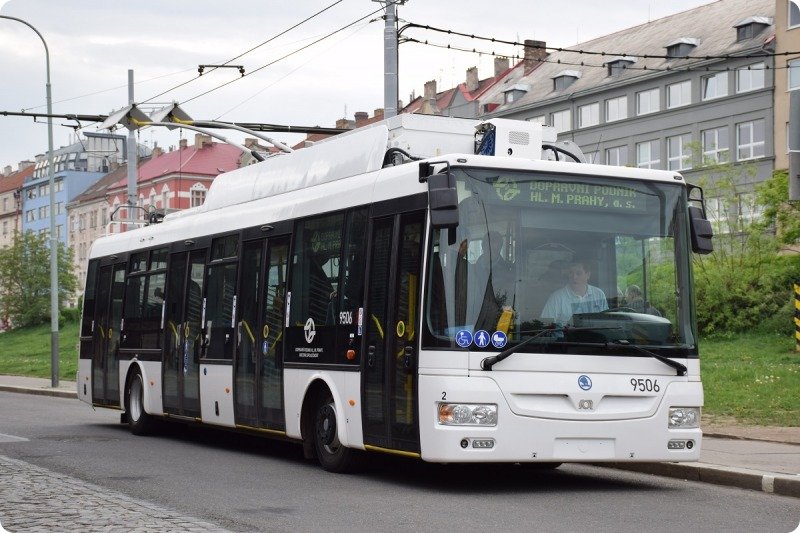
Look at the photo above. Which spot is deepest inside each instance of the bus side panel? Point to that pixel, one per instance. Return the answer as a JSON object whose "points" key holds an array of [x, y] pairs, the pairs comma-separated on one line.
{"points": [[344, 386], [216, 394], [84, 380], [151, 376]]}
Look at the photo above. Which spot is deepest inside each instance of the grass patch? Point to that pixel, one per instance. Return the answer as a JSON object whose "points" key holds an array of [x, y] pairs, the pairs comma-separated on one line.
{"points": [[753, 377], [26, 351]]}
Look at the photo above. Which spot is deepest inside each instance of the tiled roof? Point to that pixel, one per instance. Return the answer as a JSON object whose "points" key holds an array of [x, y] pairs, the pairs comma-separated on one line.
{"points": [[211, 160], [14, 180], [713, 24]]}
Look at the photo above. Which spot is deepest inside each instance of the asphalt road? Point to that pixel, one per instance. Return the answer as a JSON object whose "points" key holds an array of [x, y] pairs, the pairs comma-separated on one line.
{"points": [[250, 484]]}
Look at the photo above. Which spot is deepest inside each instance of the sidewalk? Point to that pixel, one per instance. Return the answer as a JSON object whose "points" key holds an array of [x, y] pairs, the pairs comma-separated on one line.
{"points": [[750, 457]]}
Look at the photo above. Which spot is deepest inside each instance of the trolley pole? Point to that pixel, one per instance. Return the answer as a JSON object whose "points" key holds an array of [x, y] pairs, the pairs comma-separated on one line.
{"points": [[132, 158]]}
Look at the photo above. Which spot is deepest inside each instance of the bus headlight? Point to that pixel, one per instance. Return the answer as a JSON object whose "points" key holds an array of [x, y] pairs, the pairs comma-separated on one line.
{"points": [[467, 414], [684, 417]]}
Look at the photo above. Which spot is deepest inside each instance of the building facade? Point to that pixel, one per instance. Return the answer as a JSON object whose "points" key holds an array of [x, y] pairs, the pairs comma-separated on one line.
{"points": [[11, 201], [787, 74]]}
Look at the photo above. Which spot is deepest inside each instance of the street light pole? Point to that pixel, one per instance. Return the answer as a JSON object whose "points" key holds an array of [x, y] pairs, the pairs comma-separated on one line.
{"points": [[53, 237]]}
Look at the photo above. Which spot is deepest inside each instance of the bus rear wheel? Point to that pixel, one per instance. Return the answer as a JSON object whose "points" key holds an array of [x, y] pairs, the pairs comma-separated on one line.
{"points": [[331, 453], [139, 422]]}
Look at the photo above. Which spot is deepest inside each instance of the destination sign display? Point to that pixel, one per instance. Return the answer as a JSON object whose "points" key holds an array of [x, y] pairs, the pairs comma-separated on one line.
{"points": [[570, 194]]}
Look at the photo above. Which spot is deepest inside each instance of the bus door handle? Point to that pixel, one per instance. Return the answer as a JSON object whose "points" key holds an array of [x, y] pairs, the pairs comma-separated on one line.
{"points": [[408, 360], [371, 356]]}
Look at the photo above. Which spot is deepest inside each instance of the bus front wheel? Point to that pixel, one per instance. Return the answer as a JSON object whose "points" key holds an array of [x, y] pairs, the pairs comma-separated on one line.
{"points": [[331, 453], [139, 422]]}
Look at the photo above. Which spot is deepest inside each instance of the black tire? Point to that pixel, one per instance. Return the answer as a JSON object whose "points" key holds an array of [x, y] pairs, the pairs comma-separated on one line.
{"points": [[139, 422], [331, 454]]}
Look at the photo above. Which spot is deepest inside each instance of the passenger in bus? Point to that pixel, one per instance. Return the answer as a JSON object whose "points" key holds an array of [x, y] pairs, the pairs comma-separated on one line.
{"points": [[635, 300], [577, 296]]}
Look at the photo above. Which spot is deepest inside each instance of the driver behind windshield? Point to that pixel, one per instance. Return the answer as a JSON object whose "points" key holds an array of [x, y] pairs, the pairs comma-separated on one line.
{"points": [[577, 296]]}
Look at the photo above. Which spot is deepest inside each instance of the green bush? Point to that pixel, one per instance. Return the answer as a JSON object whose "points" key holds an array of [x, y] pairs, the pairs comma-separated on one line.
{"points": [[70, 314]]}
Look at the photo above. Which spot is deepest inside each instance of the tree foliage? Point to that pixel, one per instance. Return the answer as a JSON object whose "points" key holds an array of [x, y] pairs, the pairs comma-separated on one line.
{"points": [[25, 279], [779, 212], [745, 284]]}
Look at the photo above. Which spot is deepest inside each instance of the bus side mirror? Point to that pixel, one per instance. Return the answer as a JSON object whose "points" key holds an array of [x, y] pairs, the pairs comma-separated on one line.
{"points": [[443, 200], [701, 231]]}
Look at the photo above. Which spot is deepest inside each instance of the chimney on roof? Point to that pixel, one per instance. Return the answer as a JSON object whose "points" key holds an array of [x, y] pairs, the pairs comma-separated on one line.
{"points": [[250, 142], [430, 90], [500, 65], [114, 165], [201, 140], [7, 170], [535, 51], [361, 118], [344, 124], [472, 79], [157, 151], [378, 113], [183, 144]]}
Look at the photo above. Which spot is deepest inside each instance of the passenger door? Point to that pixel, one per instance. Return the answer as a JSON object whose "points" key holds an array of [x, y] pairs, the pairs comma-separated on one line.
{"points": [[108, 319], [389, 380]]}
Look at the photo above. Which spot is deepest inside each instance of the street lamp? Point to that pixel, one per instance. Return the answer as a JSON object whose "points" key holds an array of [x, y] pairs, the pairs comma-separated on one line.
{"points": [[53, 236]]}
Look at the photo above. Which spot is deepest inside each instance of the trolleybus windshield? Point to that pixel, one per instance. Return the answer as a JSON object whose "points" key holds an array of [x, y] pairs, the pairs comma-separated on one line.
{"points": [[595, 259]]}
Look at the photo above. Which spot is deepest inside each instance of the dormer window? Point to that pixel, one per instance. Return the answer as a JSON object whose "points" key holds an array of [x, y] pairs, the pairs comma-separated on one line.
{"points": [[751, 27], [514, 93], [564, 79], [618, 65], [682, 47]]}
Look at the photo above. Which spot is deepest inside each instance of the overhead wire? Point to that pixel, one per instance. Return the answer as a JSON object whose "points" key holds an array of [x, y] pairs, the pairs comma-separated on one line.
{"points": [[692, 67], [596, 53], [282, 33], [262, 67]]}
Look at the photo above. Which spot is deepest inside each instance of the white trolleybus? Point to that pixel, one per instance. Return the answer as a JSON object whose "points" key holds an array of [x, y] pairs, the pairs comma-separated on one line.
{"points": [[433, 287]]}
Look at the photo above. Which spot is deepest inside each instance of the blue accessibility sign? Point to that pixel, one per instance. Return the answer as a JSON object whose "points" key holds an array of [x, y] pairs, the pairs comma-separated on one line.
{"points": [[481, 339], [499, 339], [464, 338]]}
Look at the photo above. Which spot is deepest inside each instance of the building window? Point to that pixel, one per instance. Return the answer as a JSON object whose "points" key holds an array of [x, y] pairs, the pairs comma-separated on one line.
{"points": [[591, 157], [680, 49], [539, 119], [679, 94], [750, 78], [749, 30], [5, 228], [647, 102], [59, 208], [59, 185], [617, 156], [165, 198], [715, 145], [794, 15], [562, 120], [198, 195], [60, 231], [5, 204], [43, 212], [93, 219], [563, 81], [589, 115], [30, 216], [794, 74], [616, 108], [715, 86], [647, 154], [679, 156], [750, 140]]}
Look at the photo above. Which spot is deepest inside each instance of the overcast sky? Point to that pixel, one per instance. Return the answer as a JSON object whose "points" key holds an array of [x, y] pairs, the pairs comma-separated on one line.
{"points": [[94, 43]]}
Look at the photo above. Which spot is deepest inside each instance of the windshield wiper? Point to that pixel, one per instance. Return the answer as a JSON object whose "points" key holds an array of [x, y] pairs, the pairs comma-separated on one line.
{"points": [[489, 362], [666, 360]]}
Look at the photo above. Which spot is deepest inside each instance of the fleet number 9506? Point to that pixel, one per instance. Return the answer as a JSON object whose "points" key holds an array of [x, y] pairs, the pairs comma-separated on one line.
{"points": [[645, 385]]}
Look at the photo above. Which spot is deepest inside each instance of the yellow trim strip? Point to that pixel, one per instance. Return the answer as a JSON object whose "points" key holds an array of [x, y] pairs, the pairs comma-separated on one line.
{"points": [[249, 331], [262, 430], [393, 452]]}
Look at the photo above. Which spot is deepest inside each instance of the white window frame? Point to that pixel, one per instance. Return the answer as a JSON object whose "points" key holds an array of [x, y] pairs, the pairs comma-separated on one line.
{"points": [[538, 119], [197, 192], [717, 82], [683, 94], [682, 160], [750, 77], [613, 155], [746, 143], [789, 15], [617, 108], [645, 158], [589, 115], [560, 119], [714, 153], [793, 72], [648, 94]]}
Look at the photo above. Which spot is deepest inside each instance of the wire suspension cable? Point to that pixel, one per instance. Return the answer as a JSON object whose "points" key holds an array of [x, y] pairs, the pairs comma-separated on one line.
{"points": [[281, 34], [331, 34]]}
